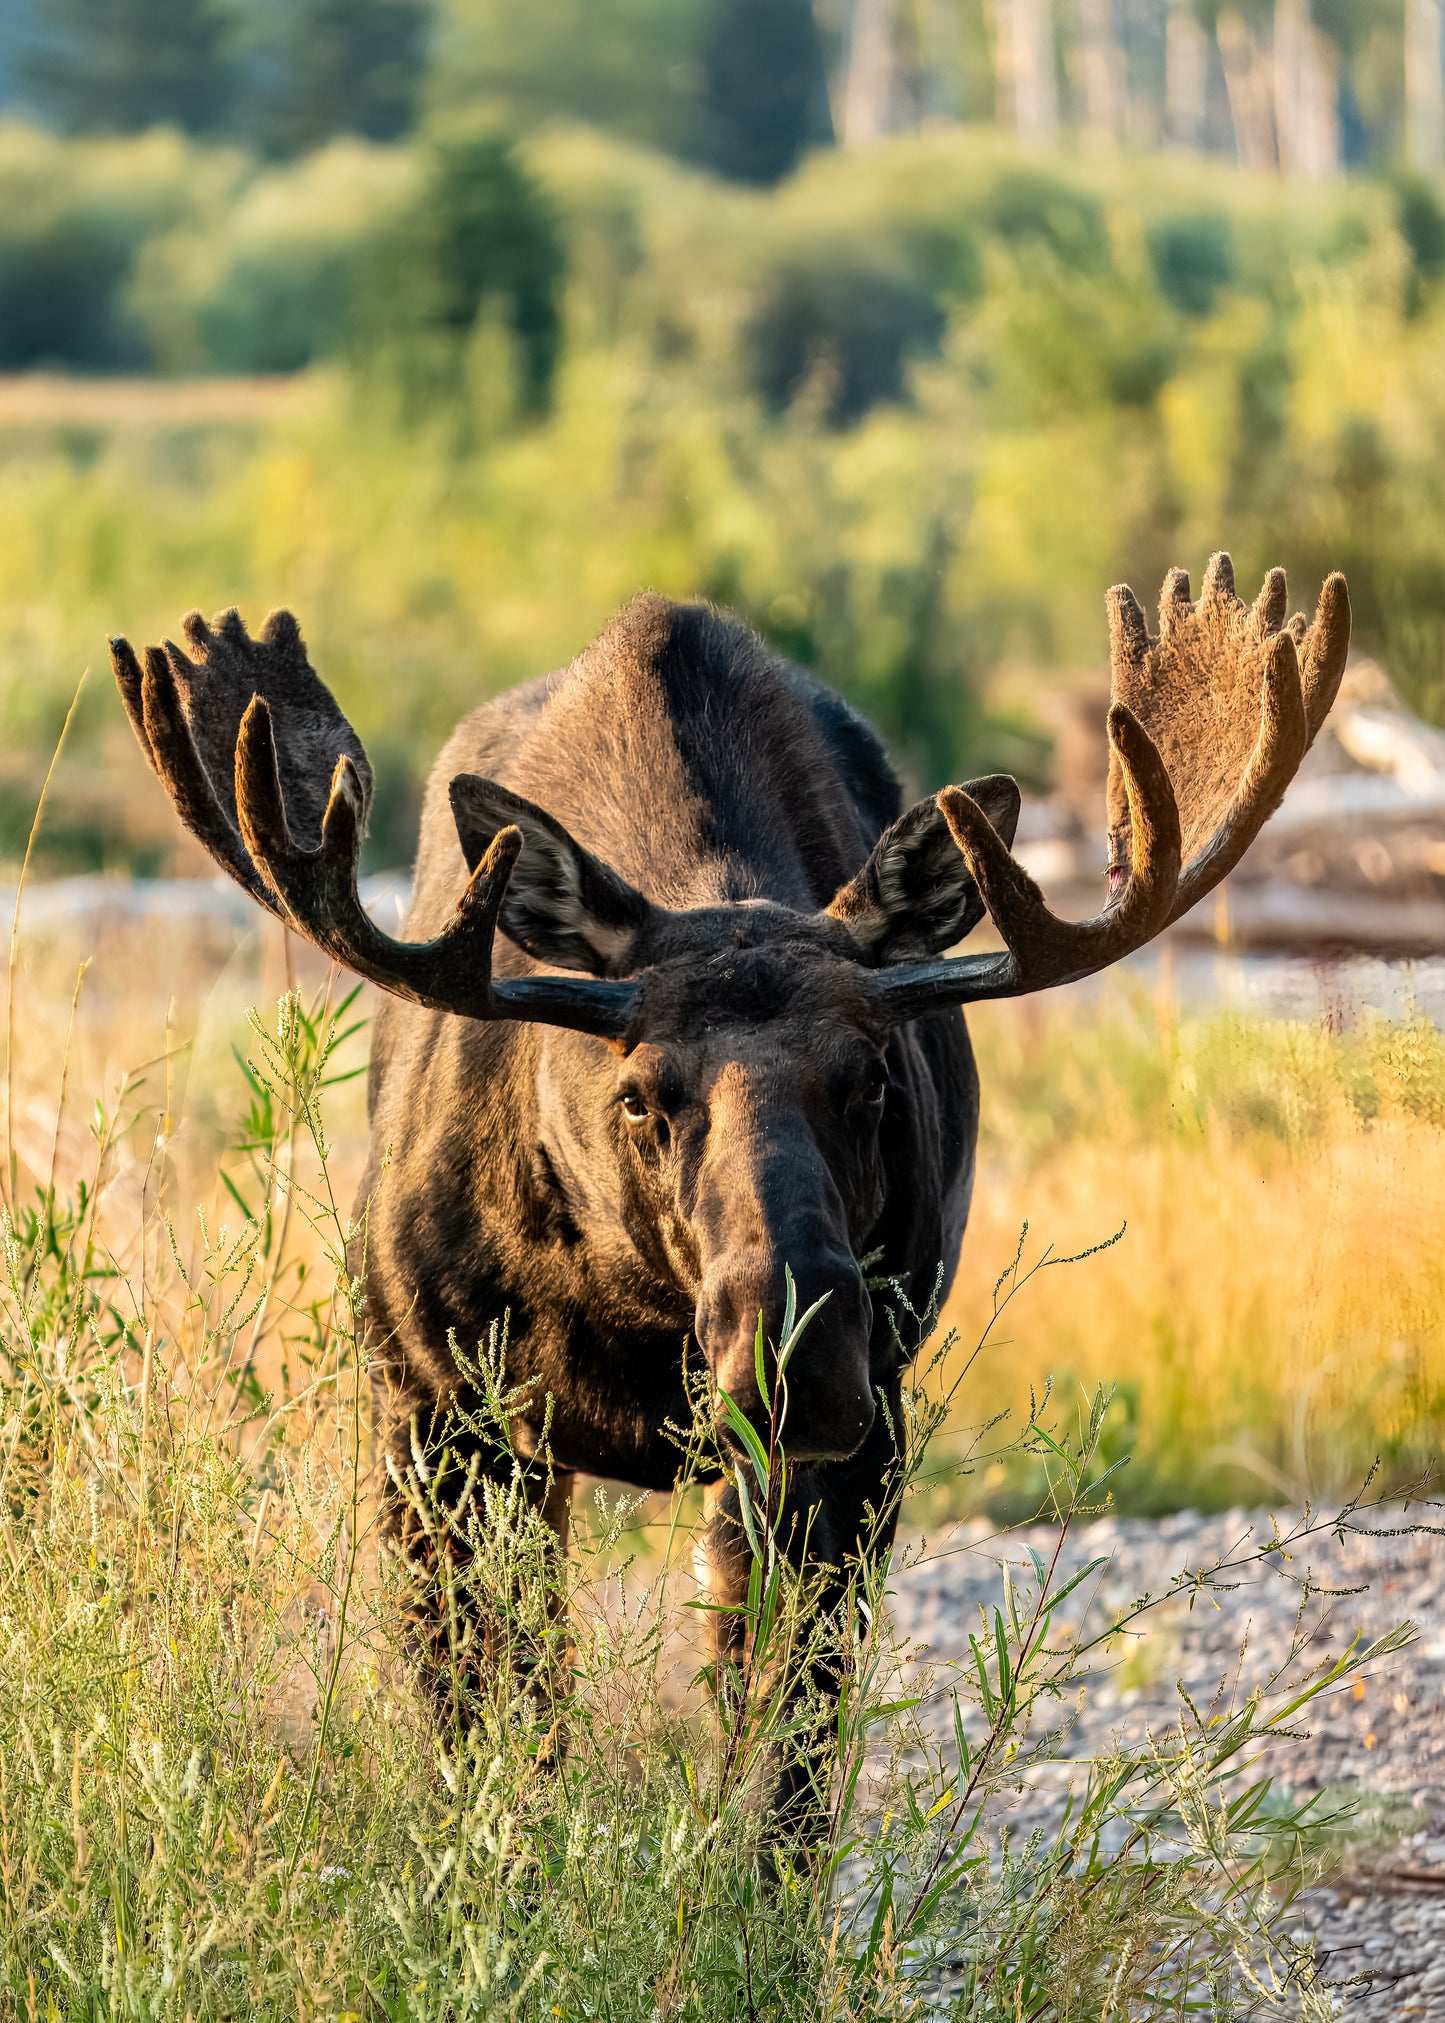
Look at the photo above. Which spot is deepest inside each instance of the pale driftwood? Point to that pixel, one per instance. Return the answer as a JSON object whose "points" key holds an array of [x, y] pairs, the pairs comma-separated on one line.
{"points": [[1386, 740], [1354, 856], [1301, 919], [1351, 798]]}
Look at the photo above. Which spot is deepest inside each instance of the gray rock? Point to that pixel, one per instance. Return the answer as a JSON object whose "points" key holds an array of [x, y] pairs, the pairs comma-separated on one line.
{"points": [[1379, 1941]]}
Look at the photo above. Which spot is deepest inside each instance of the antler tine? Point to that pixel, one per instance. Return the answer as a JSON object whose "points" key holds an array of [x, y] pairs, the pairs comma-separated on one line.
{"points": [[1284, 737], [216, 725], [152, 702], [1323, 648], [1044, 950], [1303, 667], [129, 680], [1267, 613], [1192, 689], [317, 889]]}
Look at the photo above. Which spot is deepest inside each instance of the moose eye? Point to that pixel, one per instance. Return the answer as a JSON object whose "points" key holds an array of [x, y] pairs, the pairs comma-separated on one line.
{"points": [[875, 1088], [634, 1109]]}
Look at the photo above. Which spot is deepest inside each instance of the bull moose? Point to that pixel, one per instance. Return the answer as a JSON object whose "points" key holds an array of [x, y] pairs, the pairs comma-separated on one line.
{"points": [[720, 1034]]}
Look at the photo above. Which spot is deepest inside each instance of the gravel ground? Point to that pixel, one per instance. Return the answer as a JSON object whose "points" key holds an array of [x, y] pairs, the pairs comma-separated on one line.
{"points": [[1381, 1929]]}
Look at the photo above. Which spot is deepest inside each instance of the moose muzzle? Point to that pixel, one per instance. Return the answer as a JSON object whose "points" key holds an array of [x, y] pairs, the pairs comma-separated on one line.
{"points": [[829, 1400]]}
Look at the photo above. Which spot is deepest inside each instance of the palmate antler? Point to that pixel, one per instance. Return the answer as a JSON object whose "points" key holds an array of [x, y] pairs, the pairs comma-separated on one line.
{"points": [[1207, 727], [207, 721]]}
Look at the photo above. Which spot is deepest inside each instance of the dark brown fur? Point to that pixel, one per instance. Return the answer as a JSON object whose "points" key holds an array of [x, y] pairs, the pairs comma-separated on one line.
{"points": [[735, 793], [738, 796]]}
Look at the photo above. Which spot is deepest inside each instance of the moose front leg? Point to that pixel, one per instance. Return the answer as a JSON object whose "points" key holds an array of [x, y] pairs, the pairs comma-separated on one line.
{"points": [[482, 1540], [838, 1519]]}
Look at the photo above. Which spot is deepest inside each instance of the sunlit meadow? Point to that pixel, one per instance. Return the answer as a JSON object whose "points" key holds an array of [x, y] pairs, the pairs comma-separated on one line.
{"points": [[218, 1792], [219, 1789]]}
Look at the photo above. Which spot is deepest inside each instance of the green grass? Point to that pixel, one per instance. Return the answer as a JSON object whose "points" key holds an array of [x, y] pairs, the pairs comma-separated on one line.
{"points": [[220, 1794], [1270, 1319]]}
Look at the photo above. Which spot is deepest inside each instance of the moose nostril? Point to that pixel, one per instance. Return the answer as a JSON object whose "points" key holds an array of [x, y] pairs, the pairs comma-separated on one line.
{"points": [[830, 1406]]}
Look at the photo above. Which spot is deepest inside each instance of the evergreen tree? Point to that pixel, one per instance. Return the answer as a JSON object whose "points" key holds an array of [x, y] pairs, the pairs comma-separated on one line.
{"points": [[482, 236], [119, 66], [625, 65], [763, 88], [340, 66]]}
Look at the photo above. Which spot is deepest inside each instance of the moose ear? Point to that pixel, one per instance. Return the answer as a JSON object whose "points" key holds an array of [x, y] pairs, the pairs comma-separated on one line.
{"points": [[914, 897], [563, 905]]}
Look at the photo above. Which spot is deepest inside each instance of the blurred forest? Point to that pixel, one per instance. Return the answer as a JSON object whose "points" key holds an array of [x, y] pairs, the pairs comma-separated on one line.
{"points": [[903, 326]]}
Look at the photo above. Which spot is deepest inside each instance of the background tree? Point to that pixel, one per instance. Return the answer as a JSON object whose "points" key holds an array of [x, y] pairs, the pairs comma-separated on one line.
{"points": [[119, 66], [481, 238], [338, 66], [1425, 98], [762, 88], [629, 66]]}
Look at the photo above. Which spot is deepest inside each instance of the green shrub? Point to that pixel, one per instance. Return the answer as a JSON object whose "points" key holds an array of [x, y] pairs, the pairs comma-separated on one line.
{"points": [[270, 281], [59, 282], [943, 256], [1420, 219], [840, 320], [1029, 205], [1193, 258], [480, 237], [73, 221]]}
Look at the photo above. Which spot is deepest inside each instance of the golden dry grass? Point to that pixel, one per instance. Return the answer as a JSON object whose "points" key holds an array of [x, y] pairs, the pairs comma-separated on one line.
{"points": [[130, 1088], [1274, 1314], [1273, 1317]]}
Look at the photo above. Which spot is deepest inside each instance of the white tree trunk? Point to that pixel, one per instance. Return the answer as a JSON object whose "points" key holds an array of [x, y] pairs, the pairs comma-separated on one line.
{"points": [[1323, 84], [1291, 32], [1186, 75], [1026, 37], [1306, 94], [871, 87], [941, 55], [1101, 61], [1424, 93], [1246, 75]]}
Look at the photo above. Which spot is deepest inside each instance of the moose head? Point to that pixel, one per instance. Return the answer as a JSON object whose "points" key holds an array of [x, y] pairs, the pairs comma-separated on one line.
{"points": [[714, 1080]]}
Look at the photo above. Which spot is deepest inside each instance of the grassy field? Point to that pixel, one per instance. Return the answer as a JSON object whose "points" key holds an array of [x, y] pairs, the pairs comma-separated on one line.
{"points": [[218, 1789], [1270, 1319]]}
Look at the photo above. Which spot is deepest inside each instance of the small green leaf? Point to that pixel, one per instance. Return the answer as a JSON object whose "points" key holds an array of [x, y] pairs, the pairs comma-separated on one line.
{"points": [[1005, 1677], [1082, 1575], [797, 1331], [745, 1504], [740, 1426]]}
